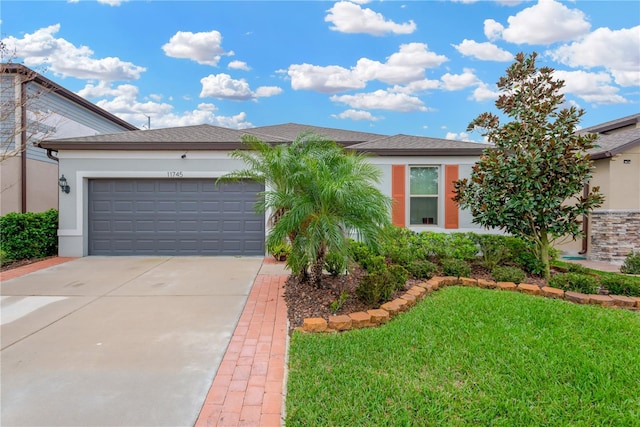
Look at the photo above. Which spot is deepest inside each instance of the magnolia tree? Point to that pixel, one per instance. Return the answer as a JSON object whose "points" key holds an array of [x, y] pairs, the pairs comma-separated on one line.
{"points": [[531, 183]]}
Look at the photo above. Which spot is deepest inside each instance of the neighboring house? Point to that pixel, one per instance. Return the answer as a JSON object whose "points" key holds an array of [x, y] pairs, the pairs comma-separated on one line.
{"points": [[35, 108], [614, 228], [154, 192]]}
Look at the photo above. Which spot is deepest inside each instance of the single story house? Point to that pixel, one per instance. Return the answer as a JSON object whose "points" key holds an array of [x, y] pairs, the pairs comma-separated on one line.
{"points": [[32, 108], [613, 230], [153, 191]]}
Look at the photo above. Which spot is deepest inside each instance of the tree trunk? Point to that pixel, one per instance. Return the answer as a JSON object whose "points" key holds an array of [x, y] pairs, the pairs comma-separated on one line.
{"points": [[315, 277], [544, 254]]}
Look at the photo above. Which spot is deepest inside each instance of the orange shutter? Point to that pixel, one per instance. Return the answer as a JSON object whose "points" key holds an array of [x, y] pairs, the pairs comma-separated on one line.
{"points": [[450, 207], [398, 194]]}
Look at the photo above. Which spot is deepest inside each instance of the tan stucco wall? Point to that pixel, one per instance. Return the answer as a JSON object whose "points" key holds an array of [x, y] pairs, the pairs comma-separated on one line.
{"points": [[619, 181], [42, 186]]}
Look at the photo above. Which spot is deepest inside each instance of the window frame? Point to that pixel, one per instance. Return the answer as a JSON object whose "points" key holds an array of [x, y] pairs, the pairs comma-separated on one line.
{"points": [[410, 196]]}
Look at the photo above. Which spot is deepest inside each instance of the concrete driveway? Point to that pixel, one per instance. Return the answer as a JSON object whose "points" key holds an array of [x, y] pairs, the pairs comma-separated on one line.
{"points": [[118, 341]]}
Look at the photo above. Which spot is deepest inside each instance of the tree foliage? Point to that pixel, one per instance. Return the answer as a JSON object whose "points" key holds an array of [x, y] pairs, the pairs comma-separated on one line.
{"points": [[318, 196], [530, 184]]}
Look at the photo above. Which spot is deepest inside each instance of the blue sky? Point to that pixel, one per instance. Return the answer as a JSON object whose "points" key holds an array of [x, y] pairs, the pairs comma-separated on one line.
{"points": [[414, 67]]}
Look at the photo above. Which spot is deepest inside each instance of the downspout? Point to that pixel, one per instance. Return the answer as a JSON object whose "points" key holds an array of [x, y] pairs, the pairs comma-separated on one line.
{"points": [[585, 224], [23, 141]]}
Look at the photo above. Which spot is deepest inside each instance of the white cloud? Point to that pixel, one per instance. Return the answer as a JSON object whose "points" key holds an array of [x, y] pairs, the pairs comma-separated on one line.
{"points": [[112, 2], [382, 100], [266, 91], [203, 48], [483, 93], [238, 65], [330, 79], [462, 136], [156, 97], [348, 17], [592, 87], [485, 51], [222, 86], [417, 86], [546, 22], [124, 103], [357, 115], [618, 51], [404, 66], [41, 48], [459, 81], [493, 29]]}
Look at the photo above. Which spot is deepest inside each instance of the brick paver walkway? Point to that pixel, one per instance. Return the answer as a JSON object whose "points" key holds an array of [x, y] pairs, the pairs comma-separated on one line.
{"points": [[248, 389]]}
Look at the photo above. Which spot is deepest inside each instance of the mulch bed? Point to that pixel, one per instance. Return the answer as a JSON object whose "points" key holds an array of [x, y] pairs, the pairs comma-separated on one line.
{"points": [[304, 301]]}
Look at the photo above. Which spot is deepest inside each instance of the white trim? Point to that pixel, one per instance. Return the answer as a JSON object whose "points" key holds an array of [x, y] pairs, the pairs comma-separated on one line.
{"points": [[615, 211]]}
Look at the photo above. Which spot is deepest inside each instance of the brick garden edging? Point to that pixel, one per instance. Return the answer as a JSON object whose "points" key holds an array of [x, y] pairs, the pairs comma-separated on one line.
{"points": [[390, 309]]}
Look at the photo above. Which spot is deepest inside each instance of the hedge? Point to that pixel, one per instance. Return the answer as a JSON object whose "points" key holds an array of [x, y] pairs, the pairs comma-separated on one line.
{"points": [[29, 235]]}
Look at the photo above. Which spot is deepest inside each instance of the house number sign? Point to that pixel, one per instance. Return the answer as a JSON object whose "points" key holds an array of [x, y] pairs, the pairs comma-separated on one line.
{"points": [[175, 174]]}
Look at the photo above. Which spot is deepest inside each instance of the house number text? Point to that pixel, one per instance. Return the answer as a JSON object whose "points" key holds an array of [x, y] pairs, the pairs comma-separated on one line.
{"points": [[175, 174]]}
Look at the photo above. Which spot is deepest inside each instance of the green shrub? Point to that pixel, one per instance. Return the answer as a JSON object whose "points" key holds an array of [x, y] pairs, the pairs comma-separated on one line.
{"points": [[462, 246], [29, 235], [523, 254], [3, 257], [374, 263], [577, 268], [398, 275], [422, 269], [339, 302], [493, 249], [375, 288], [335, 263], [508, 274], [445, 245], [280, 250], [575, 282], [621, 285], [359, 251], [631, 264], [455, 267], [431, 245]]}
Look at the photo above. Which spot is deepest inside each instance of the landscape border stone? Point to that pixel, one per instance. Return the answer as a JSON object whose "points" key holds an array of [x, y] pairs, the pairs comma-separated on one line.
{"points": [[388, 310]]}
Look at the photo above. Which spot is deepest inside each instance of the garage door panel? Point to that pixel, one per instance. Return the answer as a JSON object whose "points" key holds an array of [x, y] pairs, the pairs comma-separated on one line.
{"points": [[174, 217]]}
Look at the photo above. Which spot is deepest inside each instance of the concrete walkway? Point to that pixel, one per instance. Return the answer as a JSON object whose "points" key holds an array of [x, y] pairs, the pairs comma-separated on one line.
{"points": [[138, 341]]}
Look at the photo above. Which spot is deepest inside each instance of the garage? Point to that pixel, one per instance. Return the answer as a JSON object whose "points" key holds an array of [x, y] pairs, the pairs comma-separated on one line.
{"points": [[174, 217]]}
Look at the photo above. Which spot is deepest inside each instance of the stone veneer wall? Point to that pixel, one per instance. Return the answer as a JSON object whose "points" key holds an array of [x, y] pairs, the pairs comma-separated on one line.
{"points": [[614, 234]]}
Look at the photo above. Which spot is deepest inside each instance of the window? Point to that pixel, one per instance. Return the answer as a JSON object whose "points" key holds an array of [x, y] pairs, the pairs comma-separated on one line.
{"points": [[423, 195]]}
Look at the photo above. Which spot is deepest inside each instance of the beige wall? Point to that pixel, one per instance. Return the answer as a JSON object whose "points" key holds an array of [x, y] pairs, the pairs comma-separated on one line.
{"points": [[42, 186], [619, 180]]}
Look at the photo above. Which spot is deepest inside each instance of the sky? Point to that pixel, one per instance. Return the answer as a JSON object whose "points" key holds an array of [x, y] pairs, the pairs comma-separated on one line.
{"points": [[423, 68]]}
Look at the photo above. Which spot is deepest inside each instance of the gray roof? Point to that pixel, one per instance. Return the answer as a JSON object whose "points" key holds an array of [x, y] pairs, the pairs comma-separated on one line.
{"points": [[633, 119], [290, 131], [198, 137], [615, 136], [399, 145], [615, 143]]}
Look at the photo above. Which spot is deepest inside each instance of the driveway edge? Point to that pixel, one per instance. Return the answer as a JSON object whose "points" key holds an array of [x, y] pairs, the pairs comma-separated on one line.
{"points": [[248, 389]]}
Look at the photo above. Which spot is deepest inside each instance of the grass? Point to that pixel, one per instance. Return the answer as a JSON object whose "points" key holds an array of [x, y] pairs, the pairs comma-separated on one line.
{"points": [[468, 356]]}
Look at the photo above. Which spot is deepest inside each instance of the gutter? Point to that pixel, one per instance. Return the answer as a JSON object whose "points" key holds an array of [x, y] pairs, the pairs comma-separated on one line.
{"points": [[51, 156], [23, 143]]}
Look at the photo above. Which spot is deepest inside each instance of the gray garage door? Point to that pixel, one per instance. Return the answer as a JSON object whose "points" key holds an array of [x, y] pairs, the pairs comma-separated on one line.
{"points": [[174, 217]]}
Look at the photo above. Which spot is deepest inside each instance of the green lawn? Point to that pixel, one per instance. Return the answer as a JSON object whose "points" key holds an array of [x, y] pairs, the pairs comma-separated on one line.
{"points": [[469, 356]]}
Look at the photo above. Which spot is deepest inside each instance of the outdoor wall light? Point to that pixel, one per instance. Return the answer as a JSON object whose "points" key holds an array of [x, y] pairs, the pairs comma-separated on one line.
{"points": [[64, 187]]}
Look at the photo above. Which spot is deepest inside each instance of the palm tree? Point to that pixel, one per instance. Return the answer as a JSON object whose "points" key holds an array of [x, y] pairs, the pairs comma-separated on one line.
{"points": [[320, 196]]}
